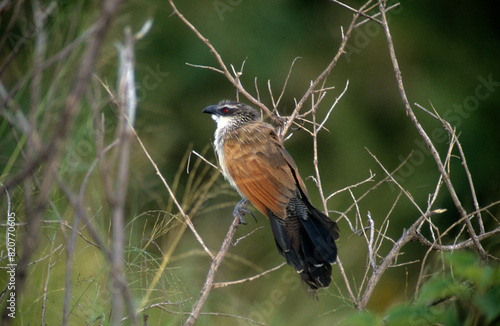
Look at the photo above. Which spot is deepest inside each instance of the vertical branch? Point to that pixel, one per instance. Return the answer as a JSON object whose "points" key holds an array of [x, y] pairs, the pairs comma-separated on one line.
{"points": [[315, 163], [386, 262], [51, 152], [127, 106], [371, 253]]}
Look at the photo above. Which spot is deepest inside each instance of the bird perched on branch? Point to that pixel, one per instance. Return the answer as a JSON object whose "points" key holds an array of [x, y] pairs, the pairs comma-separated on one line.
{"points": [[256, 164]]}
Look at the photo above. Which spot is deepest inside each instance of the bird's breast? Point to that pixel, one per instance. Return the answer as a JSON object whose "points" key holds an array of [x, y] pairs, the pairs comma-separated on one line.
{"points": [[219, 148]]}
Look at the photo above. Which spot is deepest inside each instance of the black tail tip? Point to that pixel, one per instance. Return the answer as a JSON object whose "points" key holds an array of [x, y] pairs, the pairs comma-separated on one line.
{"points": [[317, 277]]}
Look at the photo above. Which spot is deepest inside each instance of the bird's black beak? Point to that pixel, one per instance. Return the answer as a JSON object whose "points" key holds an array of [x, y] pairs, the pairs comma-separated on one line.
{"points": [[212, 109]]}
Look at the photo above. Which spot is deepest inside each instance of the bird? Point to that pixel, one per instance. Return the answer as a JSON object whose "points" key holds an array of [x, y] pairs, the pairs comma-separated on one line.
{"points": [[254, 161]]}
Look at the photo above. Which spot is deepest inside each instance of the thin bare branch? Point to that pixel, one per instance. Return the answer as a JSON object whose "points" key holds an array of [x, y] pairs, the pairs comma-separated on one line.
{"points": [[346, 281], [248, 279], [423, 134], [322, 77], [337, 99], [451, 131], [205, 67], [224, 70], [369, 179], [373, 18], [209, 281], [186, 218], [204, 160], [371, 252], [460, 245], [286, 82], [359, 12]]}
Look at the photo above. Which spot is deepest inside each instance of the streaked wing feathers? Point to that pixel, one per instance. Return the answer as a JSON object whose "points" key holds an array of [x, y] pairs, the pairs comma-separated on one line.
{"points": [[261, 168]]}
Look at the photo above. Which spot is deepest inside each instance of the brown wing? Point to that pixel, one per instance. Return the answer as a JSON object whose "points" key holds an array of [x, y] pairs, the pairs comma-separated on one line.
{"points": [[261, 168]]}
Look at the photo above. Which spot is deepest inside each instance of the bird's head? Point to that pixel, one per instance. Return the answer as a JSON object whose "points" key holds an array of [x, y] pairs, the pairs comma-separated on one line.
{"points": [[233, 114]]}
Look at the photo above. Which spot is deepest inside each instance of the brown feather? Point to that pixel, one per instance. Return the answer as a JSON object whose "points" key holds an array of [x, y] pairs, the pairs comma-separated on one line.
{"points": [[261, 168]]}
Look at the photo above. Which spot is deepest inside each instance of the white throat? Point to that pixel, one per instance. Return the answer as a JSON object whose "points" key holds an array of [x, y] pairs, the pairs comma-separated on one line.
{"points": [[222, 123]]}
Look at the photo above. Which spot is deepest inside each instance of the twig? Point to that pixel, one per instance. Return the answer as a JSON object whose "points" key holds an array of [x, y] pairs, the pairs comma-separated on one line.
{"points": [[359, 12], [127, 108], [372, 18], [386, 262], [461, 245], [323, 75], [408, 195], [423, 134], [187, 221], [275, 105], [381, 235], [209, 281], [461, 220], [46, 284], [204, 160], [171, 194], [354, 204], [248, 279], [369, 179], [451, 131], [316, 167], [205, 67], [337, 99], [247, 235], [371, 253], [224, 70]]}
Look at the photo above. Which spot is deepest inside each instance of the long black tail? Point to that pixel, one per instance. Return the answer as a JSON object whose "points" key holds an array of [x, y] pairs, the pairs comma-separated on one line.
{"points": [[306, 238]]}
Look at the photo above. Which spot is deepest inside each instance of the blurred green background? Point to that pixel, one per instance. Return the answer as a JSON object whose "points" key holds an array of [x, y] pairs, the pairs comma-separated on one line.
{"points": [[448, 53]]}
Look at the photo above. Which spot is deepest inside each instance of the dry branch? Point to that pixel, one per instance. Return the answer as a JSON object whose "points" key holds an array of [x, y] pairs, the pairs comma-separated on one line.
{"points": [[209, 281], [423, 134], [224, 70], [50, 153]]}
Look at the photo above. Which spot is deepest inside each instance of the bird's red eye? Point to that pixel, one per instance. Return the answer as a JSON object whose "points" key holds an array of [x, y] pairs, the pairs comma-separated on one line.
{"points": [[225, 110]]}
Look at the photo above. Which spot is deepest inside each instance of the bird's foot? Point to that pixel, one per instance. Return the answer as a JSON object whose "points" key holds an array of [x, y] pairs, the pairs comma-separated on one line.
{"points": [[240, 209]]}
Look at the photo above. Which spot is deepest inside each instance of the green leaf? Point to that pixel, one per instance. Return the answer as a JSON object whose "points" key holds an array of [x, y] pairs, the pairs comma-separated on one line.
{"points": [[489, 303], [364, 318], [438, 289]]}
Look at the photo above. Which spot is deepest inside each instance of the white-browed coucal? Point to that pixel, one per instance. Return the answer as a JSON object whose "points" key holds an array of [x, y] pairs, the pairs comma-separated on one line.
{"points": [[256, 164]]}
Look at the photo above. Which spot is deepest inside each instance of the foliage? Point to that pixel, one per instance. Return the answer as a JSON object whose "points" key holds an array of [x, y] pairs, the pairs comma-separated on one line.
{"points": [[467, 292]]}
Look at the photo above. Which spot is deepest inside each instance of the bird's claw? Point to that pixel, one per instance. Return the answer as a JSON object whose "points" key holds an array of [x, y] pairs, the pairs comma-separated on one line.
{"points": [[240, 209]]}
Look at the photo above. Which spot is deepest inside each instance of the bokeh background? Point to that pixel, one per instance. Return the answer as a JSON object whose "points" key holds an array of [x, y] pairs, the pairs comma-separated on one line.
{"points": [[448, 54]]}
